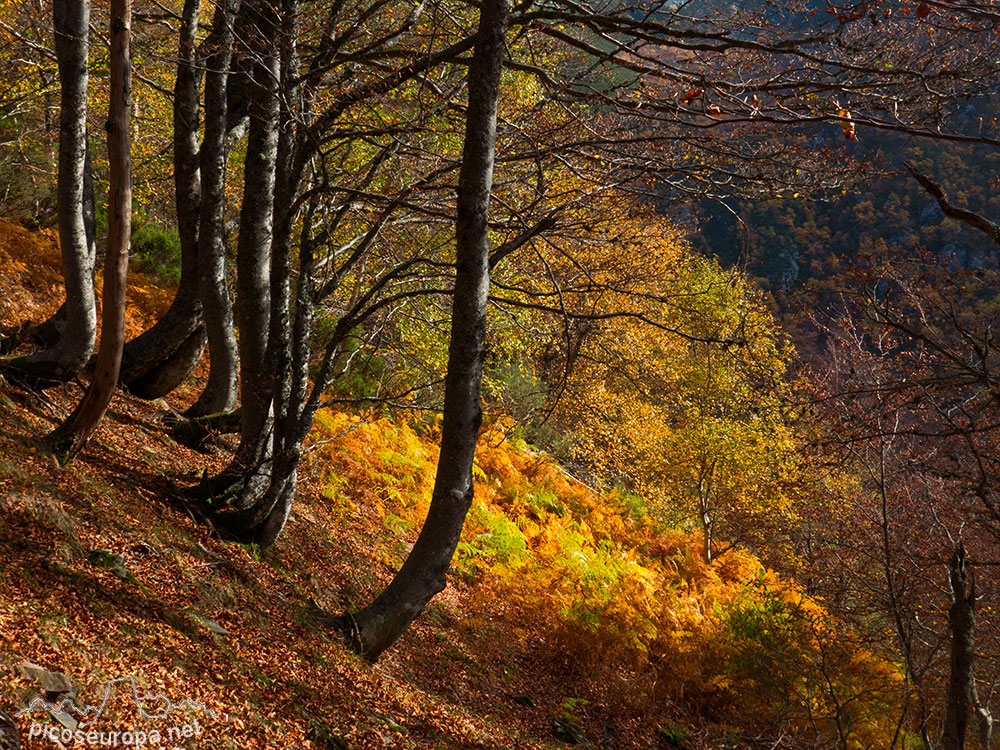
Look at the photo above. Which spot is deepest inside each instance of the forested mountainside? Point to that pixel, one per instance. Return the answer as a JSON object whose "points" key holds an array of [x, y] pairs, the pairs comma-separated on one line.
{"points": [[792, 244], [361, 384], [798, 242]]}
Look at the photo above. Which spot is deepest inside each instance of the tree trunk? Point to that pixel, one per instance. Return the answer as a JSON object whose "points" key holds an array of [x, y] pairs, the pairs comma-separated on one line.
{"points": [[74, 346], [287, 183], [294, 413], [172, 371], [283, 491], [265, 27], [252, 485], [70, 437], [262, 521], [48, 332], [220, 391], [424, 573], [253, 288], [72, 22], [158, 360], [961, 700], [705, 515]]}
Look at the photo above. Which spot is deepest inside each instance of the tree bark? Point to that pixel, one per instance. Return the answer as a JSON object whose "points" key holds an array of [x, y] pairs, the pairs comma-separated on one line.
{"points": [[253, 288], [220, 391], [169, 373], [262, 521], [70, 437], [423, 575], [961, 699], [287, 183], [158, 360], [267, 34], [47, 332], [75, 344], [253, 483], [294, 413]]}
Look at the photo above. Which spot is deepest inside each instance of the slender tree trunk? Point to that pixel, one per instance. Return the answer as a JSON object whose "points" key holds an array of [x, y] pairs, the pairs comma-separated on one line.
{"points": [[89, 208], [253, 288], [72, 22], [74, 346], [220, 391], [158, 360], [961, 700], [70, 437], [985, 720], [263, 521], [294, 418], [263, 289], [289, 171], [705, 516], [424, 573]]}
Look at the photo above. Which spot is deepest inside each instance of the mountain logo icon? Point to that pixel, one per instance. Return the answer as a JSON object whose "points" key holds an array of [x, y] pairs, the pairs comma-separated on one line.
{"points": [[152, 707]]}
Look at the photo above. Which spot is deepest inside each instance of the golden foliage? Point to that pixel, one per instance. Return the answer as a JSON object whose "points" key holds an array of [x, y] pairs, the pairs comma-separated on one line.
{"points": [[612, 590], [676, 392]]}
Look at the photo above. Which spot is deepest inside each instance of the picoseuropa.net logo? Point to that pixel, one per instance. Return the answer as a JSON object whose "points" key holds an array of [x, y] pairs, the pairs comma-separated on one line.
{"points": [[159, 724]]}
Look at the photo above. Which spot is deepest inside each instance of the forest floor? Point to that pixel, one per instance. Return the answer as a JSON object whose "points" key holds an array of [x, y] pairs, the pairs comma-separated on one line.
{"points": [[104, 575]]}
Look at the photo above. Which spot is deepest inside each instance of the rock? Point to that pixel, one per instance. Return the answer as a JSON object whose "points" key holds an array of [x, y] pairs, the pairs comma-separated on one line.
{"points": [[53, 684], [395, 726], [391, 724], [569, 733], [65, 719], [105, 558], [207, 622], [523, 700]]}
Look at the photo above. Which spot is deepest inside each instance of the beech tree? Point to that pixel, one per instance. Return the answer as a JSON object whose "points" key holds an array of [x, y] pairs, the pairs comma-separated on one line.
{"points": [[219, 393], [70, 437], [908, 407], [424, 573], [75, 343], [156, 361], [311, 141], [253, 291]]}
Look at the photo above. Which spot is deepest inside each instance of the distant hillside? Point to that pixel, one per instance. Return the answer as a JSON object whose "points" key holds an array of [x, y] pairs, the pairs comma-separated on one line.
{"points": [[798, 245]]}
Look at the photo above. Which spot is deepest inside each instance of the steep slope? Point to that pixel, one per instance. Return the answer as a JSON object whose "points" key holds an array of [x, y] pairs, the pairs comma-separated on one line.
{"points": [[571, 616]]}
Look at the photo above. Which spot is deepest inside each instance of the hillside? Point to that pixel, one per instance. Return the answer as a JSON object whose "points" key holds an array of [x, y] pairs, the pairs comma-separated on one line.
{"points": [[566, 610], [805, 252]]}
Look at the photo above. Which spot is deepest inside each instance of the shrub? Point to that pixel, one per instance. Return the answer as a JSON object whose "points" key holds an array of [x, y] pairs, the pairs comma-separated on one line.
{"points": [[157, 250]]}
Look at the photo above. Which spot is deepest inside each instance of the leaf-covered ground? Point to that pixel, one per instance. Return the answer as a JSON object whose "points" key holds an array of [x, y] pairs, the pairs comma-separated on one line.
{"points": [[563, 606]]}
